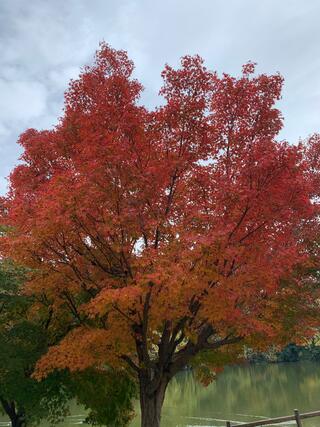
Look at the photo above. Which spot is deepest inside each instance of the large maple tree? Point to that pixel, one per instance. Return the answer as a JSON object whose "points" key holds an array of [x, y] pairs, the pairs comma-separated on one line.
{"points": [[169, 234]]}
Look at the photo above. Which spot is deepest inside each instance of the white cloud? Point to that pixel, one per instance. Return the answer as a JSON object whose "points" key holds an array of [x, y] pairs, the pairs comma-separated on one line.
{"points": [[4, 130], [3, 185], [21, 100]]}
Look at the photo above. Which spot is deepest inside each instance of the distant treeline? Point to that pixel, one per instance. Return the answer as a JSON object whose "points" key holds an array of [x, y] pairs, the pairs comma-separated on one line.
{"points": [[290, 353]]}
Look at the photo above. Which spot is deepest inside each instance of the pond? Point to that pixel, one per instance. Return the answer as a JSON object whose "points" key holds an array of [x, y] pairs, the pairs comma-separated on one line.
{"points": [[240, 393], [243, 393]]}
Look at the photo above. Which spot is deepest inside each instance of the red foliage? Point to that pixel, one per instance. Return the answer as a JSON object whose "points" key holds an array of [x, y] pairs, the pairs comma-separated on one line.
{"points": [[164, 232]]}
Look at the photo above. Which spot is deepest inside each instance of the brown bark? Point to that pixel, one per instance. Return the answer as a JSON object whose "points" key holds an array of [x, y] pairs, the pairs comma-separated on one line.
{"points": [[17, 418], [151, 403]]}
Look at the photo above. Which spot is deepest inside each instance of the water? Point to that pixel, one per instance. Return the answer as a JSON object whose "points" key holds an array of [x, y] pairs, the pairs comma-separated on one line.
{"points": [[241, 393]]}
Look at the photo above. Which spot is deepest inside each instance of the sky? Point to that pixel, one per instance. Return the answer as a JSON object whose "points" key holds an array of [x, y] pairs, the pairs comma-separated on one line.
{"points": [[44, 43]]}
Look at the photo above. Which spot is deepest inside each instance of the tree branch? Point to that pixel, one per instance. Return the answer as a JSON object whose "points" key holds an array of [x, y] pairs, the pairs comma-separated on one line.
{"points": [[130, 362]]}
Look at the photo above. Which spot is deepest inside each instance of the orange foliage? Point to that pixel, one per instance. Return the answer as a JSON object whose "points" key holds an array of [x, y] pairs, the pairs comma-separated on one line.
{"points": [[164, 232]]}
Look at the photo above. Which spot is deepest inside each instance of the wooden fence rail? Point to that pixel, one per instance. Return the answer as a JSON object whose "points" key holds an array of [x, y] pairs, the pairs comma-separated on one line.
{"points": [[270, 421]]}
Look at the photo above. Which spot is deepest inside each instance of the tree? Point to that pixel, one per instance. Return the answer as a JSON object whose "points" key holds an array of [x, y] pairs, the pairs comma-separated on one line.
{"points": [[22, 341], [169, 234], [107, 394]]}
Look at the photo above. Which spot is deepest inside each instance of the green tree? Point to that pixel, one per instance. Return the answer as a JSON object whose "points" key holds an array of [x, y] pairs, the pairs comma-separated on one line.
{"points": [[108, 395], [22, 341]]}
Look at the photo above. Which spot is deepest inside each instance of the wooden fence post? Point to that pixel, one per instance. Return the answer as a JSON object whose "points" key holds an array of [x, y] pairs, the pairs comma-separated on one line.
{"points": [[228, 424], [297, 417]]}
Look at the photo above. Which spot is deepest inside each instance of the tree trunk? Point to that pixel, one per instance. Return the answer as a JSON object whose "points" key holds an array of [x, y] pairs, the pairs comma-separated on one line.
{"points": [[17, 421], [151, 403], [17, 418]]}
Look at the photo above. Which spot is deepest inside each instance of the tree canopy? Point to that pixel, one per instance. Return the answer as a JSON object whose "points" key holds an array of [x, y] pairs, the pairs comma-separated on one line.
{"points": [[167, 233]]}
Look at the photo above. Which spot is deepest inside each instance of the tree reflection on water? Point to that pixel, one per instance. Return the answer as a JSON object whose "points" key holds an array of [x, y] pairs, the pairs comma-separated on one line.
{"points": [[243, 393]]}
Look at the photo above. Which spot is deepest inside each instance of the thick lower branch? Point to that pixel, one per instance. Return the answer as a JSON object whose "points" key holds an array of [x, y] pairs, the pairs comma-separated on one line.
{"points": [[183, 356]]}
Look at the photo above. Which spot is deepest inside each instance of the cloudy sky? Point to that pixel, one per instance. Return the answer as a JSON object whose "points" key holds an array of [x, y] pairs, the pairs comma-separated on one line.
{"points": [[43, 43]]}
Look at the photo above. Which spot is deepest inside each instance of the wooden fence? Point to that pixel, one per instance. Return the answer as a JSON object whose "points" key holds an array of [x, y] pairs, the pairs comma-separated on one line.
{"points": [[297, 417]]}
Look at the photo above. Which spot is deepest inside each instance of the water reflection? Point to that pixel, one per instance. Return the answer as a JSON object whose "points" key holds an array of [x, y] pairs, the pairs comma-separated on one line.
{"points": [[241, 393]]}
